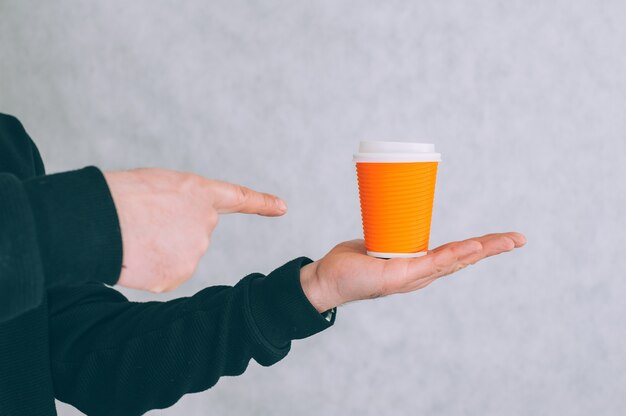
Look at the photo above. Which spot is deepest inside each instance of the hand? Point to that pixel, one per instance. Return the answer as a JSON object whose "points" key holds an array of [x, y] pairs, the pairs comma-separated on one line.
{"points": [[347, 273], [167, 219]]}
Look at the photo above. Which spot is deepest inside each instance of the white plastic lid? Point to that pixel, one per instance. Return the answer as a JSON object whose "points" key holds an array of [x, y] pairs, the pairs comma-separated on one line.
{"points": [[378, 151]]}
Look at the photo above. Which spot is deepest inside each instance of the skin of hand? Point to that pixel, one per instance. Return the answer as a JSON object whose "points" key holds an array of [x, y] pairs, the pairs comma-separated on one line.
{"points": [[347, 273], [167, 218]]}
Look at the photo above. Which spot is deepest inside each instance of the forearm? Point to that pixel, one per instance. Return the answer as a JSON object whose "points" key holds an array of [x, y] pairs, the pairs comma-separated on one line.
{"points": [[142, 356], [111, 356]]}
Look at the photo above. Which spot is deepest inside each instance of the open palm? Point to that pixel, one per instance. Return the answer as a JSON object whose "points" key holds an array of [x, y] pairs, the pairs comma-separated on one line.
{"points": [[347, 273]]}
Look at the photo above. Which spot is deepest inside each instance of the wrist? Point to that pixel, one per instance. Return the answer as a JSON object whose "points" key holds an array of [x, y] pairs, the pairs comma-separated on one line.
{"points": [[279, 307], [311, 287]]}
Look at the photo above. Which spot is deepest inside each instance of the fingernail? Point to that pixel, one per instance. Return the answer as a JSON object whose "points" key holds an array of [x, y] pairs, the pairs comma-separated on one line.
{"points": [[282, 206]]}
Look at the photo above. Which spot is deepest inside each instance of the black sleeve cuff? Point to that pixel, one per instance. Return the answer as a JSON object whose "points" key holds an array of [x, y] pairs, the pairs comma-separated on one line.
{"points": [[77, 226], [280, 308]]}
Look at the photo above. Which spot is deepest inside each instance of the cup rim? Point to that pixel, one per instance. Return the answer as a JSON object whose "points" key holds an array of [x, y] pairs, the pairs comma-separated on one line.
{"points": [[395, 157]]}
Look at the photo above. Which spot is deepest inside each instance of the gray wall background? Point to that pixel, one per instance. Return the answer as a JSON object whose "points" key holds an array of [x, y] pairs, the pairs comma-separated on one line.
{"points": [[525, 99]]}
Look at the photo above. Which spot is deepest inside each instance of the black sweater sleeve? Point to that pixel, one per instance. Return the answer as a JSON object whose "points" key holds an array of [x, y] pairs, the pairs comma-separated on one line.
{"points": [[77, 227], [54, 229], [114, 357], [21, 274]]}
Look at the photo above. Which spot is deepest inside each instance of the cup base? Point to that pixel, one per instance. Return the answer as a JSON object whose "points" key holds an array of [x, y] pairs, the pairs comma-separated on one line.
{"points": [[395, 255]]}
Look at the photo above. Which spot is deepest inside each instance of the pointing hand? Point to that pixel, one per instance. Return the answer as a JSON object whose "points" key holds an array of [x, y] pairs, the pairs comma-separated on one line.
{"points": [[167, 219]]}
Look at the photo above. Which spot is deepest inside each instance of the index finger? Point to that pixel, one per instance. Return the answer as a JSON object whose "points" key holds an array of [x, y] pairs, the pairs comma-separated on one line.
{"points": [[230, 198], [450, 258]]}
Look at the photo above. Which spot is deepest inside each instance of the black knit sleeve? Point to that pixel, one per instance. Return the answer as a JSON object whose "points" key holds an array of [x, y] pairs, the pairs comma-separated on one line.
{"points": [[114, 357], [64, 226], [21, 273], [77, 226]]}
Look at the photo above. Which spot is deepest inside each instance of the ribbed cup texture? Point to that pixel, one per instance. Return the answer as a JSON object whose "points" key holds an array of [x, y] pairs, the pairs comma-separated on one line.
{"points": [[396, 205]]}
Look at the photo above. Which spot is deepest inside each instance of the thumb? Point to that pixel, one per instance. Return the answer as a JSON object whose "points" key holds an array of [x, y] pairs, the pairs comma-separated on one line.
{"points": [[231, 198]]}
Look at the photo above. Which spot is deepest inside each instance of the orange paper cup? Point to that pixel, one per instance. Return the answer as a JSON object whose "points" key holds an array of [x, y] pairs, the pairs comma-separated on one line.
{"points": [[396, 189]]}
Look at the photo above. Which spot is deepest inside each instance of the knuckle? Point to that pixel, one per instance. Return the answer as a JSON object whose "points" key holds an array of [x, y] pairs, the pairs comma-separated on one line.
{"points": [[200, 248], [212, 220], [269, 201], [204, 246], [440, 269], [507, 244], [158, 289], [437, 269], [474, 261], [188, 182], [241, 195], [455, 250], [189, 269]]}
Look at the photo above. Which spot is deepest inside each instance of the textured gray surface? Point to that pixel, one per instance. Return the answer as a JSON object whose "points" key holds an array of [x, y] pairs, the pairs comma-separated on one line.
{"points": [[525, 100]]}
